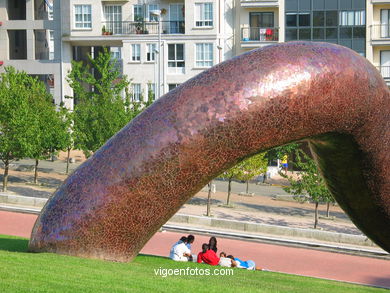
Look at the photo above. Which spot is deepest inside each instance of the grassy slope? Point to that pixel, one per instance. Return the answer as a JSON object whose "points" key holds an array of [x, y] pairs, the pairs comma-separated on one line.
{"points": [[44, 272]]}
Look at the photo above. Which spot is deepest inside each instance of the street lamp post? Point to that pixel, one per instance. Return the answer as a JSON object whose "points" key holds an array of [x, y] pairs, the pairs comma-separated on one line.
{"points": [[158, 14]]}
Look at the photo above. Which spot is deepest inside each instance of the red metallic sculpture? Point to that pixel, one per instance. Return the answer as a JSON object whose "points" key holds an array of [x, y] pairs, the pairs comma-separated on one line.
{"points": [[323, 93]]}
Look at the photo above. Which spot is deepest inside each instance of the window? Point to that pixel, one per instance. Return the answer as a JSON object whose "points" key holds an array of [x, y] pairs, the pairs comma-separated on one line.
{"points": [[136, 92], [82, 16], [135, 52], [151, 91], [171, 86], [176, 62], [151, 7], [138, 12], [352, 18], [113, 18], [151, 52], [203, 14], [115, 53], [204, 55]]}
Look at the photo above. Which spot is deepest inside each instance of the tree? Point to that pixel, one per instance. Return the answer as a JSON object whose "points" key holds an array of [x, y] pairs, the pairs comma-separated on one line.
{"points": [[18, 120], [310, 182], [65, 135], [246, 170], [100, 111], [281, 151], [208, 211], [52, 132]]}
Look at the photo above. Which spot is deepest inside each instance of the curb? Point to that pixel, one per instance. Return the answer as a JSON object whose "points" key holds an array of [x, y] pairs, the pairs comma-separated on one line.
{"points": [[359, 240], [282, 241]]}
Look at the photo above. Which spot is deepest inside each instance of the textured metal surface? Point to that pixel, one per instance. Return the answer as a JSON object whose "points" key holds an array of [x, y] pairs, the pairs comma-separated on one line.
{"points": [[113, 203]]}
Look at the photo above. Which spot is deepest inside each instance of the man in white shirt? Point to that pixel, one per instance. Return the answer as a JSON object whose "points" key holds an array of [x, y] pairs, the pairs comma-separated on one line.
{"points": [[172, 252], [181, 252]]}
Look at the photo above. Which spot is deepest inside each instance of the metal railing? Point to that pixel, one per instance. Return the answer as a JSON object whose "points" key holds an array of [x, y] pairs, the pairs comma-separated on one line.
{"points": [[385, 71], [380, 31], [142, 27], [260, 34]]}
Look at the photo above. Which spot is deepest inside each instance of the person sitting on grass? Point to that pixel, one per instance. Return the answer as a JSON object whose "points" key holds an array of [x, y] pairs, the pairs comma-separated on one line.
{"points": [[208, 256], [190, 240], [224, 261], [238, 263], [205, 247], [181, 240], [213, 244], [180, 251]]}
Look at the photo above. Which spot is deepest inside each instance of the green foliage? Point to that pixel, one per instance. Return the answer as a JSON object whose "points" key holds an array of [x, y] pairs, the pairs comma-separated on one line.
{"points": [[248, 168], [281, 151], [18, 119], [310, 181], [100, 111]]}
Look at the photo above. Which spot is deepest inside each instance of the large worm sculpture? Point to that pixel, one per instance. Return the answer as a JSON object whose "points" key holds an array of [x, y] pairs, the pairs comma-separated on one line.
{"points": [[323, 93]]}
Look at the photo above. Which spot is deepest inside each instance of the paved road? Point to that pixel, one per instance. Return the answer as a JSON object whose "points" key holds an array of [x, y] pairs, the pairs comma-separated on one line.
{"points": [[284, 259]]}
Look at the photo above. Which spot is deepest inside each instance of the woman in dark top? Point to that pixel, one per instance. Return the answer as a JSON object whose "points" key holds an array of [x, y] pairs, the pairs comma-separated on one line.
{"points": [[213, 244]]}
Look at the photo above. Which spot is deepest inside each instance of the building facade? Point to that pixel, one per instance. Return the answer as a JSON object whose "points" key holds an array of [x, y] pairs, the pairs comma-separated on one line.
{"points": [[160, 44]]}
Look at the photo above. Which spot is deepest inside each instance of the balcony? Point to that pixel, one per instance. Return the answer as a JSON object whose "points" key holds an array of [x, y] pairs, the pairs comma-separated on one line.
{"points": [[380, 34], [259, 3], [254, 37], [385, 71], [142, 27]]}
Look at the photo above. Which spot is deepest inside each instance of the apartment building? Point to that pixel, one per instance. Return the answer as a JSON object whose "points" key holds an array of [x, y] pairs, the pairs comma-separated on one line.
{"points": [[362, 25], [160, 44], [30, 40], [155, 42]]}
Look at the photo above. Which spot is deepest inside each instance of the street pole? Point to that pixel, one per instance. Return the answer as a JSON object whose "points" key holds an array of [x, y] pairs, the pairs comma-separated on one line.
{"points": [[159, 55]]}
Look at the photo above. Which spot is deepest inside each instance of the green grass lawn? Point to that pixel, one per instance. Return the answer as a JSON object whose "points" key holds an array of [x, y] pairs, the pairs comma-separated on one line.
{"points": [[21, 271]]}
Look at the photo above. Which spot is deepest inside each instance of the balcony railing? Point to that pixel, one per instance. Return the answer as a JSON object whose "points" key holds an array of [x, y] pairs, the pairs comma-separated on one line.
{"points": [[260, 34], [142, 27], [385, 71], [380, 31]]}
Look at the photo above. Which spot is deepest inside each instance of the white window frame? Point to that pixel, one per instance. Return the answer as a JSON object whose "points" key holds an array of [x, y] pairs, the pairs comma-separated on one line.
{"points": [[134, 51], [136, 94], [112, 15], [150, 52], [116, 53], [202, 20], [140, 7], [85, 24], [204, 61], [176, 69], [149, 8]]}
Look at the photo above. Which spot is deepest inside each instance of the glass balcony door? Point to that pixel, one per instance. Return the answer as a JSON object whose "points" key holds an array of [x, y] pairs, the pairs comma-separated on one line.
{"points": [[385, 15], [113, 18], [176, 17], [259, 23], [385, 64]]}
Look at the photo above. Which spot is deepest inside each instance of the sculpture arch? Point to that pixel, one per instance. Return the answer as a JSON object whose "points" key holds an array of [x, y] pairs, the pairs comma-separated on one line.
{"points": [[327, 94]]}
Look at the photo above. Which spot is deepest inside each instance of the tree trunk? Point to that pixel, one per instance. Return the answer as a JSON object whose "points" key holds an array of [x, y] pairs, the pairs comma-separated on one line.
{"points": [[208, 213], [229, 191], [316, 216], [247, 187], [67, 161], [5, 177], [36, 171], [327, 209]]}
